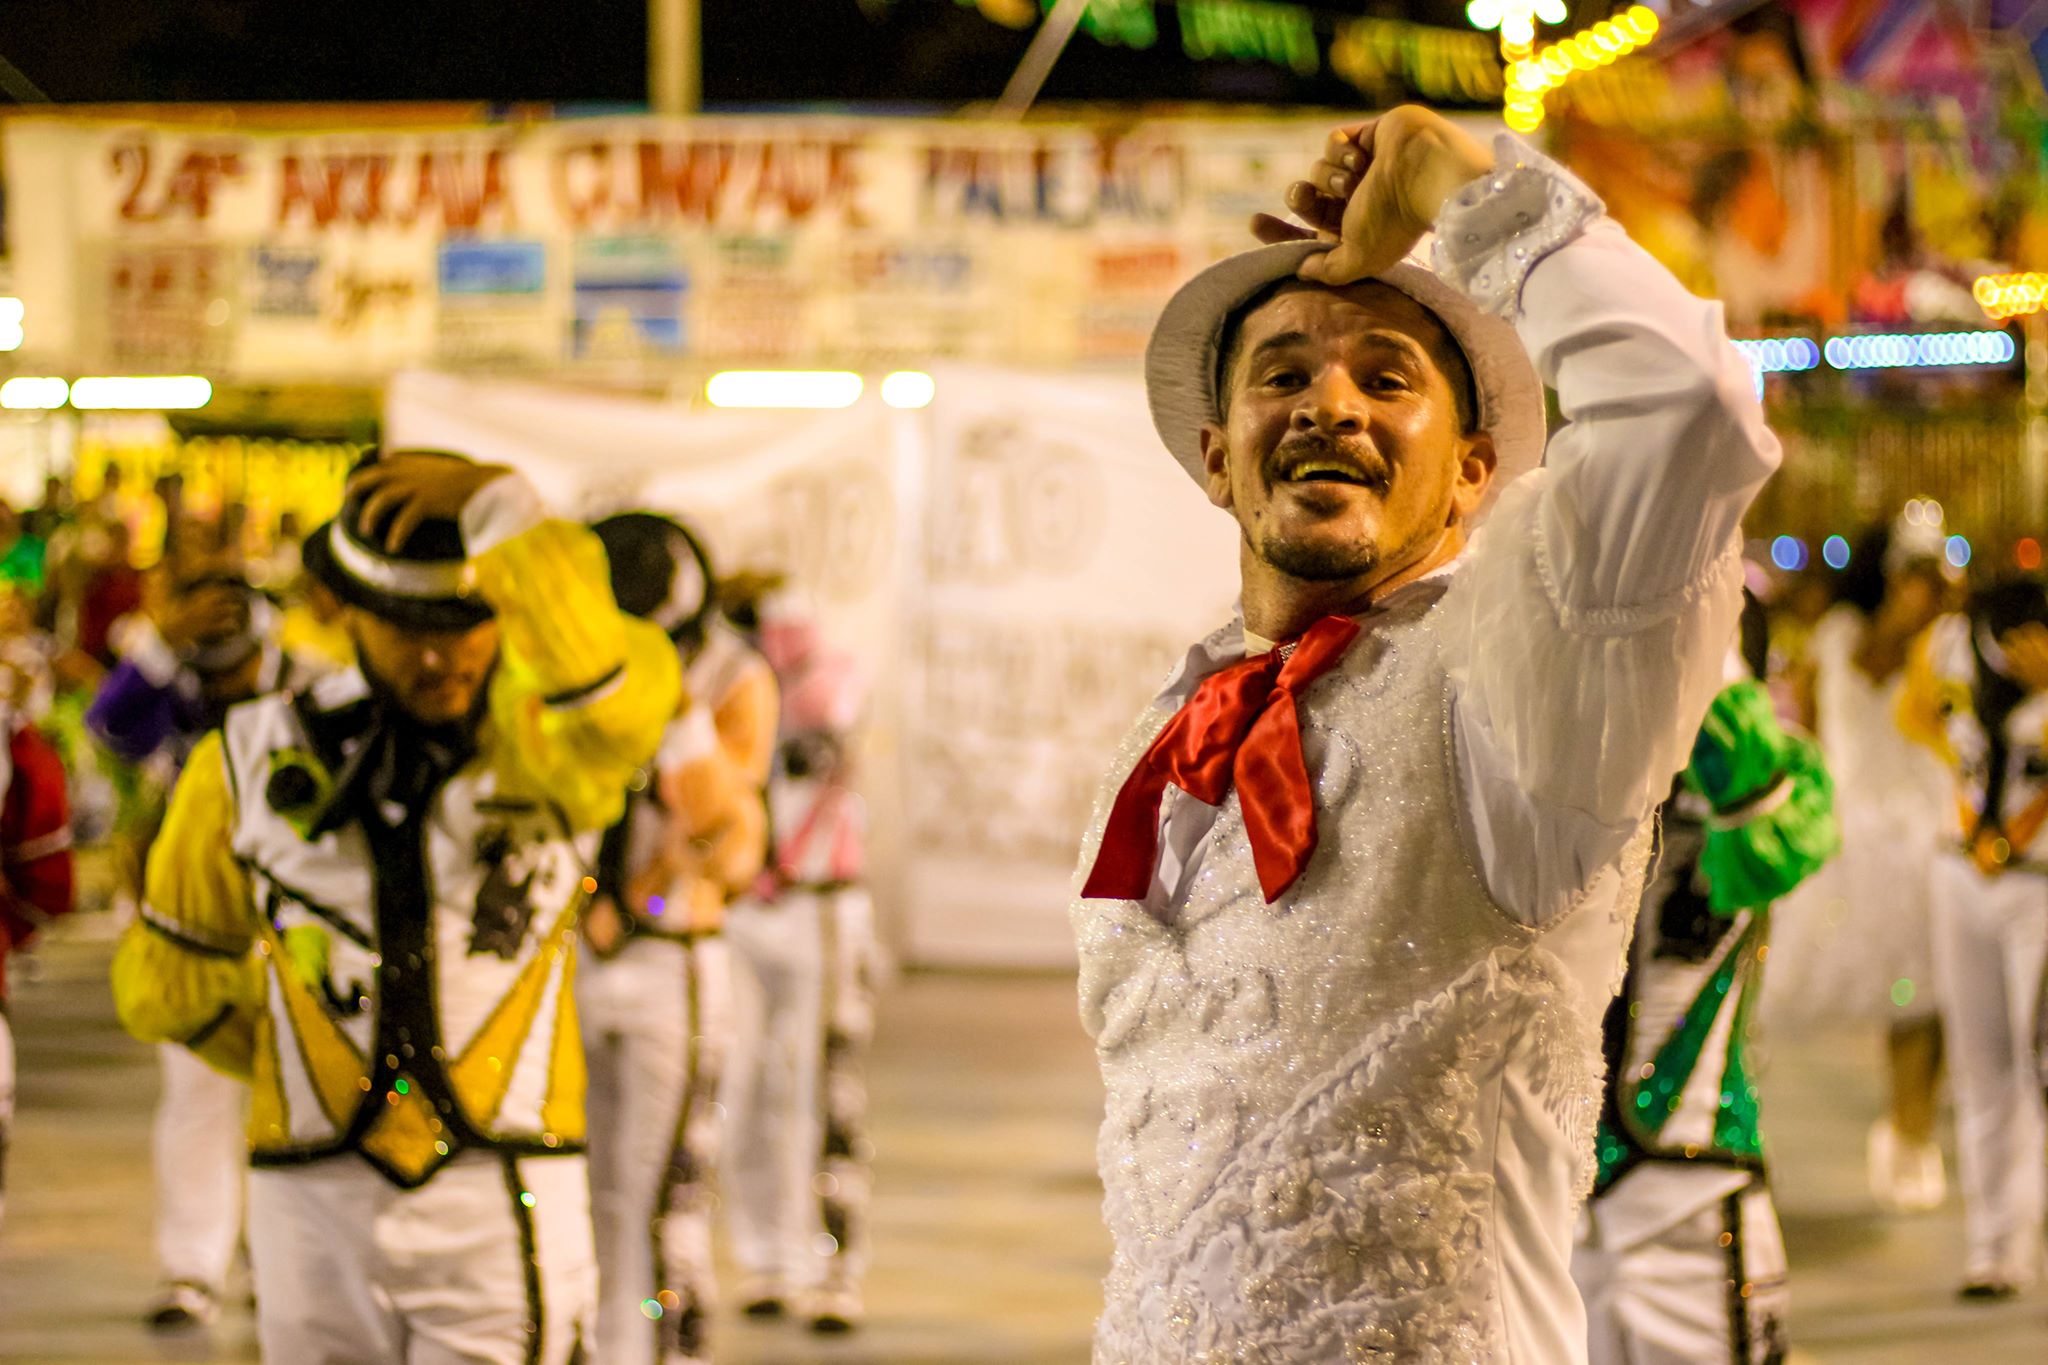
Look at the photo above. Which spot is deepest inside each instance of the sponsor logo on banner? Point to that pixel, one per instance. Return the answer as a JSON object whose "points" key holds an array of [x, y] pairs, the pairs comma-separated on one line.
{"points": [[493, 269], [493, 303], [284, 282], [630, 293], [363, 299], [916, 299], [1129, 285], [169, 307], [754, 298]]}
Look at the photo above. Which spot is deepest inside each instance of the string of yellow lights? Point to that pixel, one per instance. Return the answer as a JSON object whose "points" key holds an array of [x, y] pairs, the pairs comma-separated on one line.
{"points": [[1533, 75]]}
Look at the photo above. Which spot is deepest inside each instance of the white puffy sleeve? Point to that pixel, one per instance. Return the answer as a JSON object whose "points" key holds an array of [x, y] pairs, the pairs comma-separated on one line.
{"points": [[1587, 627]]}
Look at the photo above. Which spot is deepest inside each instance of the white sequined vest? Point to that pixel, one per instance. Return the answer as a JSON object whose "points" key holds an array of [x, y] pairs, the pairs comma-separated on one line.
{"points": [[1307, 1100]]}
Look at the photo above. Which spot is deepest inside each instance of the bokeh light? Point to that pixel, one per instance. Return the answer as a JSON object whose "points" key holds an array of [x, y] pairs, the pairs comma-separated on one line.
{"points": [[1789, 553]]}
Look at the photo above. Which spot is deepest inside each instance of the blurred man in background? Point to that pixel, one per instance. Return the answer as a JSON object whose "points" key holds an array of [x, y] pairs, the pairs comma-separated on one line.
{"points": [[653, 988], [1976, 693], [35, 858], [206, 642], [804, 950], [21, 551], [1680, 1256], [365, 899]]}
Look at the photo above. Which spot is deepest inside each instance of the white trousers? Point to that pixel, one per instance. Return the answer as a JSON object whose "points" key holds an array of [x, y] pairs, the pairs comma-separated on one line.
{"points": [[6, 1104], [1990, 944], [795, 1098], [200, 1147], [352, 1270], [655, 1021], [1704, 1285]]}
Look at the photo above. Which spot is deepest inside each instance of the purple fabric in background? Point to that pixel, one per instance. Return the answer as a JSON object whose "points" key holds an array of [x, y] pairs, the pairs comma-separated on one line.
{"points": [[137, 719]]}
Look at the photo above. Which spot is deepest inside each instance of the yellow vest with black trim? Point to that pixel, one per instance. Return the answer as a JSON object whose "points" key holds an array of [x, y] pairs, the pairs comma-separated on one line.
{"points": [[408, 1040]]}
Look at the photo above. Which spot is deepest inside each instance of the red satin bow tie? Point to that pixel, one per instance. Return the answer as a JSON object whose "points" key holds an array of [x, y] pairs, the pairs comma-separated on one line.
{"points": [[1239, 727]]}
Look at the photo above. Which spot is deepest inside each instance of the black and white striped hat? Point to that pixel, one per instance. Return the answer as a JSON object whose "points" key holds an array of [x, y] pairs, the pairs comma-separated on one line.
{"points": [[425, 583]]}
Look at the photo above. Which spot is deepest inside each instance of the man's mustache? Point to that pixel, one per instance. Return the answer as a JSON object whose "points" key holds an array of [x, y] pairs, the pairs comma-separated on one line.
{"points": [[1355, 453]]}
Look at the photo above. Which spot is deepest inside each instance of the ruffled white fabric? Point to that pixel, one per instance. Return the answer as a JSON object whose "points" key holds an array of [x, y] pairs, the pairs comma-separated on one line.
{"points": [[1558, 777], [1853, 942], [1496, 230], [1598, 602]]}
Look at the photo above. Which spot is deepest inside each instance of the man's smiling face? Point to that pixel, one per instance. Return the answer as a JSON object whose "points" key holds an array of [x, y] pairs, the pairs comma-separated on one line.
{"points": [[1346, 446]]}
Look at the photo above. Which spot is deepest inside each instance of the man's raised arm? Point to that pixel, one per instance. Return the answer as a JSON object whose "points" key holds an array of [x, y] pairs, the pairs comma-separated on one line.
{"points": [[1601, 598], [1594, 609]]}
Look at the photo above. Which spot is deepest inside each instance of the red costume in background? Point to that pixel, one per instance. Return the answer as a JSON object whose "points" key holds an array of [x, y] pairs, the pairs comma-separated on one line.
{"points": [[35, 871]]}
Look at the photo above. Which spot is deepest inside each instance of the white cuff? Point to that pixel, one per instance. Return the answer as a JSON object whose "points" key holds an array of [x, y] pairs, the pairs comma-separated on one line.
{"points": [[138, 642], [1494, 231], [498, 511]]}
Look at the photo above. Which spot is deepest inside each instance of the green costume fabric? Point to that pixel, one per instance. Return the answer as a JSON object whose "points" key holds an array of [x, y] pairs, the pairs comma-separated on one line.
{"points": [[1753, 818], [22, 564], [1773, 823]]}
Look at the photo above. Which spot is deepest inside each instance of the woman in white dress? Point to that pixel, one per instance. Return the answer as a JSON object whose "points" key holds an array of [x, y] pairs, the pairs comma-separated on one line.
{"points": [[1853, 942]]}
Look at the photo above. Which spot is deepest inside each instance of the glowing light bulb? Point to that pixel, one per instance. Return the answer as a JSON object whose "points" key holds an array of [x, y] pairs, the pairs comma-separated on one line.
{"points": [[909, 389], [783, 389], [152, 391]]}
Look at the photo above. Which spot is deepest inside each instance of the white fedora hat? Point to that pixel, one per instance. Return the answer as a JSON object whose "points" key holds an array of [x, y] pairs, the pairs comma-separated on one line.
{"points": [[1181, 362]]}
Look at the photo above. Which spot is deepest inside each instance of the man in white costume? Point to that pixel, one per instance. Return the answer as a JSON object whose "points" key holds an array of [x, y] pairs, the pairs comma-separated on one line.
{"points": [[206, 643], [1346, 981], [364, 899], [1977, 693], [804, 995], [654, 979]]}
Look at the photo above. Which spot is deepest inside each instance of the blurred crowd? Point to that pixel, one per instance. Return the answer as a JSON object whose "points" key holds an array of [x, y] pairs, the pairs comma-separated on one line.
{"points": [[726, 941], [1926, 686], [75, 601]]}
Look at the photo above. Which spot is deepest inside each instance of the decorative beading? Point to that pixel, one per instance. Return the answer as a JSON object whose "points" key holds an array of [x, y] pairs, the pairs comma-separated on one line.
{"points": [[1493, 232]]}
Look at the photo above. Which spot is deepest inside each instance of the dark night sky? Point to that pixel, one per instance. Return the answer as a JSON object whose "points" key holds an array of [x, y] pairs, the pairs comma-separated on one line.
{"points": [[756, 52]]}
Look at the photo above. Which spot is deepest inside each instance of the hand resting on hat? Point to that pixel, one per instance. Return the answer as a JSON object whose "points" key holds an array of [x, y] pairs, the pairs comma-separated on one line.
{"points": [[411, 486], [1377, 188]]}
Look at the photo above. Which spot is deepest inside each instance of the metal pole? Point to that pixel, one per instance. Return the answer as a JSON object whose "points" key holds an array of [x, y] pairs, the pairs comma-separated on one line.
{"points": [[674, 62], [19, 87], [1046, 46]]}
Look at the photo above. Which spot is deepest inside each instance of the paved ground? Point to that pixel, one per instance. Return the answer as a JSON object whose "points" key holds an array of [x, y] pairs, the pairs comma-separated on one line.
{"points": [[988, 1246]]}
